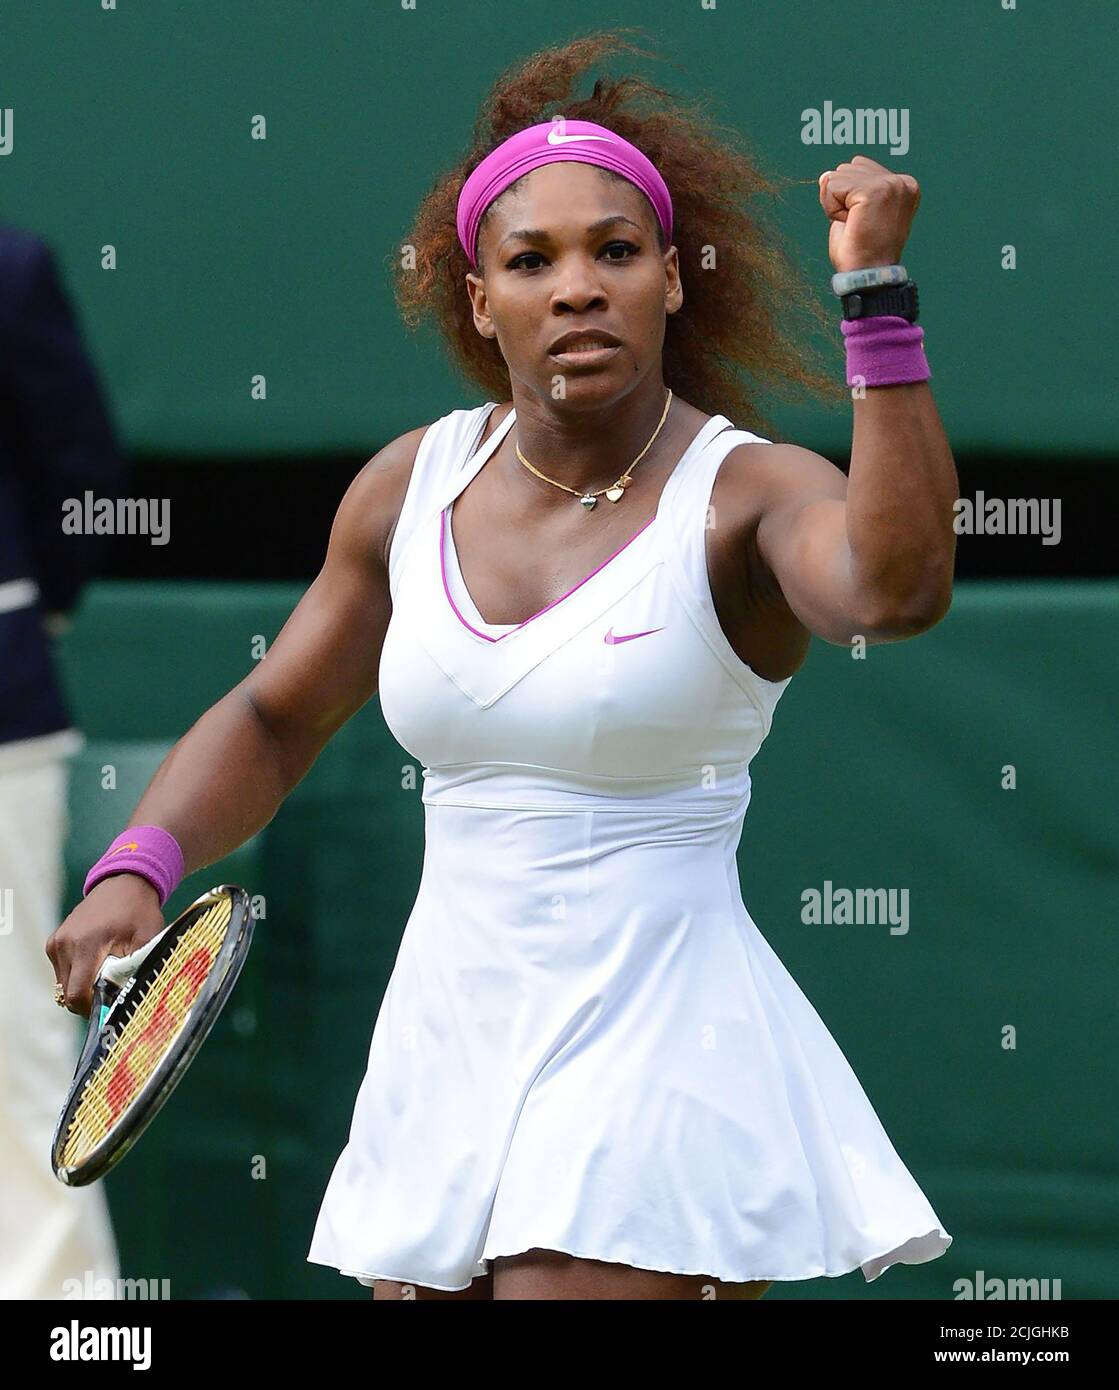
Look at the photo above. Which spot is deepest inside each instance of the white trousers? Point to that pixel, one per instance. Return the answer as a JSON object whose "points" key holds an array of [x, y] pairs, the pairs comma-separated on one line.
{"points": [[49, 1234]]}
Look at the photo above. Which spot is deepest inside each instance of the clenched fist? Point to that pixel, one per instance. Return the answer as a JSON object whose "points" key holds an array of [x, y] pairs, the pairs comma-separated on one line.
{"points": [[871, 210]]}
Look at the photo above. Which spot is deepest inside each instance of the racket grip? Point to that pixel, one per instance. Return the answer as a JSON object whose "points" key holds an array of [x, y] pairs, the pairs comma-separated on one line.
{"points": [[103, 994], [118, 970]]}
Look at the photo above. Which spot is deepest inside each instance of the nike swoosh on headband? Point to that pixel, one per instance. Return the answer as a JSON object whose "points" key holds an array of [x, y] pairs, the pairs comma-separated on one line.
{"points": [[555, 138], [629, 636]]}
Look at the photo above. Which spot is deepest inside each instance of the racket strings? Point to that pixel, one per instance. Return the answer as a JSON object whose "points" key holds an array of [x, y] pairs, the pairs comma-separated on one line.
{"points": [[141, 1044]]}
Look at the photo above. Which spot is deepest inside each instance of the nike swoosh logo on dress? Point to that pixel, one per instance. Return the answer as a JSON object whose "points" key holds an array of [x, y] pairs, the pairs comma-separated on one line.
{"points": [[629, 635]]}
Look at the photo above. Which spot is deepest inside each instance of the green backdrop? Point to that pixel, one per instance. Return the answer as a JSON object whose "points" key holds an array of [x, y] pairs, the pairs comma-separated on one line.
{"points": [[884, 772], [238, 256]]}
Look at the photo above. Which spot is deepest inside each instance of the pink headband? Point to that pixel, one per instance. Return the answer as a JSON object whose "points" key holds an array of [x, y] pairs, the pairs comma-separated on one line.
{"points": [[557, 139]]}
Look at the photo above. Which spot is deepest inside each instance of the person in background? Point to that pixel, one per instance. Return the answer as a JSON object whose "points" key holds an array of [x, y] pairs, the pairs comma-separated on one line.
{"points": [[56, 440]]}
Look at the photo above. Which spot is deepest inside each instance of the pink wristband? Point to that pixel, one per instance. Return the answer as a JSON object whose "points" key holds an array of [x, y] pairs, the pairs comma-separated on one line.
{"points": [[884, 351], [146, 850]]}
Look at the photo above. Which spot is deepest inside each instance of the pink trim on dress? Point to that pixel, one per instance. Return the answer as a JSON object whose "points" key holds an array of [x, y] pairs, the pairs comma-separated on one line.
{"points": [[486, 635]]}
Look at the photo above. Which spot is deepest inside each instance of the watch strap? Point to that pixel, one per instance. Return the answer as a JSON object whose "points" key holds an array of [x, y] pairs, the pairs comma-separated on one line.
{"points": [[868, 278], [898, 300]]}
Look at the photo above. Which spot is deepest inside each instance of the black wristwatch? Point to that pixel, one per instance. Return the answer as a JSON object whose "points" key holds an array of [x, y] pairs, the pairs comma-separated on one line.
{"points": [[900, 300]]}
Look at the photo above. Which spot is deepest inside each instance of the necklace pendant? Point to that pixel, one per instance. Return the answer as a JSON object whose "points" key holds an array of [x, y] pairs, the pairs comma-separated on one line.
{"points": [[615, 493], [588, 502]]}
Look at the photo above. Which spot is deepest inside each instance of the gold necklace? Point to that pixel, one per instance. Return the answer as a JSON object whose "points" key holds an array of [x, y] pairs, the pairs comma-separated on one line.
{"points": [[617, 490]]}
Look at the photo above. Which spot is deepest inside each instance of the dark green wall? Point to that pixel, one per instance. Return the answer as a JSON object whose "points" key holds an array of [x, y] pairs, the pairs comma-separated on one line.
{"points": [[238, 256]]}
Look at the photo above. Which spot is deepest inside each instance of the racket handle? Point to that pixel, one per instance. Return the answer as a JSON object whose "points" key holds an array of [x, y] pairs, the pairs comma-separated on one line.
{"points": [[118, 970], [103, 995]]}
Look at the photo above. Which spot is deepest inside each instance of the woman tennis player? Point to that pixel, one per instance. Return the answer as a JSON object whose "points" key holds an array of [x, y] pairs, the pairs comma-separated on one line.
{"points": [[590, 1076]]}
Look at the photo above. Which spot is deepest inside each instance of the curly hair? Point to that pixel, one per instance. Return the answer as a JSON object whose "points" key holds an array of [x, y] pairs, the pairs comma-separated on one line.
{"points": [[741, 330]]}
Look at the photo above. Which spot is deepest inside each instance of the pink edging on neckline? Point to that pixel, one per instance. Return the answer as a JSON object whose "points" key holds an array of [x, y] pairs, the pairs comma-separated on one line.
{"points": [[486, 635]]}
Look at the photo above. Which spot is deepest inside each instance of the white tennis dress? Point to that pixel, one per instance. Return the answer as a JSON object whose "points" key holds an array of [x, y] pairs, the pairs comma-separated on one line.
{"points": [[586, 1044]]}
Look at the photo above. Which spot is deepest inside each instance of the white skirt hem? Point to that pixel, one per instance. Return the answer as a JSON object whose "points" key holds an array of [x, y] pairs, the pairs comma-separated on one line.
{"points": [[361, 1275], [914, 1250]]}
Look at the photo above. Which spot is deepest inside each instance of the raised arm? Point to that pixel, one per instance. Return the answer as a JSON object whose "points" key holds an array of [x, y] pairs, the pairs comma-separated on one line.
{"points": [[871, 554]]}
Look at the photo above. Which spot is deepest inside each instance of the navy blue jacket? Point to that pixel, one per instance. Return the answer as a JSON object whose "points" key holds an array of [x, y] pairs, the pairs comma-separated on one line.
{"points": [[56, 440]]}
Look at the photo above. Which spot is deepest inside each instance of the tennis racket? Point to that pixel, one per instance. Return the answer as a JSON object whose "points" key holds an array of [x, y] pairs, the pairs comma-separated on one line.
{"points": [[151, 1012]]}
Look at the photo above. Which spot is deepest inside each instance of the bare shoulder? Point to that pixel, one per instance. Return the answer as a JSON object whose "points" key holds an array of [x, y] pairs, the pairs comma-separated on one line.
{"points": [[758, 478], [370, 509], [756, 486]]}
